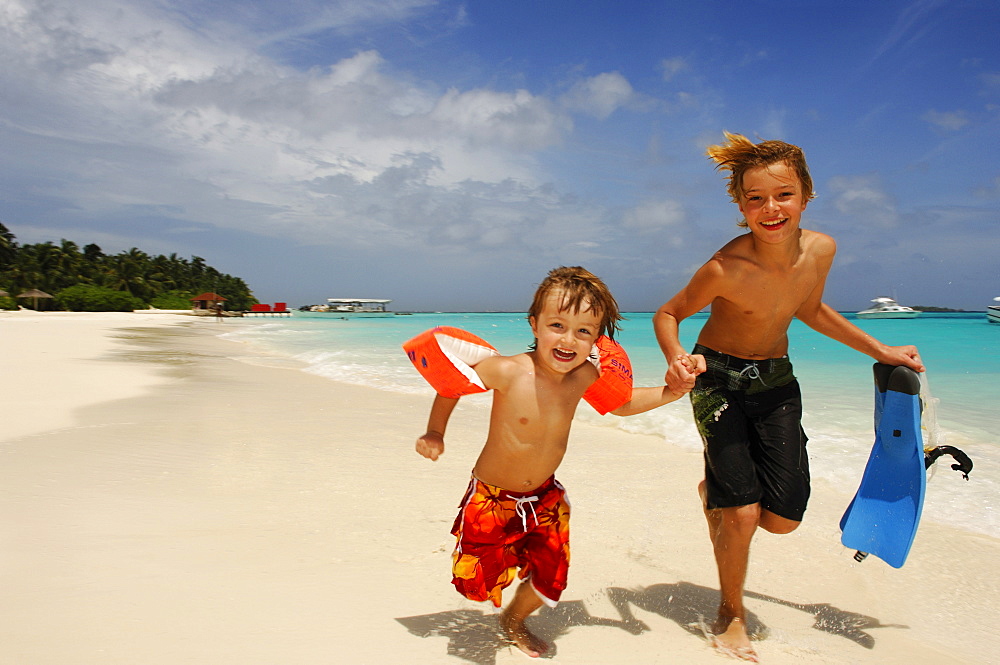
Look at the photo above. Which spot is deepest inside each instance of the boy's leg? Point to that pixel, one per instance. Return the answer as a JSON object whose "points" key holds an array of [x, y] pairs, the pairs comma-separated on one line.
{"points": [[544, 570], [731, 531], [525, 602], [728, 444]]}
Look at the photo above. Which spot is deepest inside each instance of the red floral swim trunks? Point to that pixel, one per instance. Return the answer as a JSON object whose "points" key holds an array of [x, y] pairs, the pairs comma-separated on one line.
{"points": [[500, 531]]}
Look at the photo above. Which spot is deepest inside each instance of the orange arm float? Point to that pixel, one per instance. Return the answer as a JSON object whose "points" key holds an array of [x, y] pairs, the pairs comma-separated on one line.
{"points": [[444, 356]]}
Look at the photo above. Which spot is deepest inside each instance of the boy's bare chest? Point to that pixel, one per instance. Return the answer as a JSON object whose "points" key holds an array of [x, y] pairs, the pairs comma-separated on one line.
{"points": [[541, 412], [760, 293]]}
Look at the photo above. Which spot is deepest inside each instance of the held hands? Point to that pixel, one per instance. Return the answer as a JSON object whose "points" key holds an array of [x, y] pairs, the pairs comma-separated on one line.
{"points": [[430, 445], [682, 372]]}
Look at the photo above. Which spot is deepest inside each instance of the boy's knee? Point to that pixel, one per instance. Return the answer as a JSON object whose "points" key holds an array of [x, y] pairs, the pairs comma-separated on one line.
{"points": [[743, 518], [776, 524]]}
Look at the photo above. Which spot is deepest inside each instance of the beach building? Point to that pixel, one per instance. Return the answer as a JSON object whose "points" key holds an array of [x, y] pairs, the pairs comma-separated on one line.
{"points": [[206, 302]]}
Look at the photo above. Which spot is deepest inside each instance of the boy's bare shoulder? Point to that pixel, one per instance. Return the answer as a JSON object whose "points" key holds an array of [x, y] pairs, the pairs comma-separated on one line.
{"points": [[499, 372], [818, 249], [817, 242], [504, 363], [732, 257]]}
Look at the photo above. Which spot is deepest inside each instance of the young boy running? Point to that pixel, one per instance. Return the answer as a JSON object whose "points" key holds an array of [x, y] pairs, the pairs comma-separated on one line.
{"points": [[746, 401], [515, 513]]}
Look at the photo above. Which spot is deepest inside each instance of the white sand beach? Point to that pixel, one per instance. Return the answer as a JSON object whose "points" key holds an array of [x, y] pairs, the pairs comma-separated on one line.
{"points": [[163, 502]]}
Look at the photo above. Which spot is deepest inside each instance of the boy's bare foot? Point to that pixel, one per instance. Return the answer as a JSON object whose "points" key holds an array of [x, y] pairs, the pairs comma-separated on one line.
{"points": [[731, 638], [518, 634]]}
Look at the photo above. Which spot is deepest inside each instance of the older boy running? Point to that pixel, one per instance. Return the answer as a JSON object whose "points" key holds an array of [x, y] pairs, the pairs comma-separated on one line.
{"points": [[746, 401]]}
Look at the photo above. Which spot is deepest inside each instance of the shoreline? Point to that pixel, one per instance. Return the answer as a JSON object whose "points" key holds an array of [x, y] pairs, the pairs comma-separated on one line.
{"points": [[207, 510]]}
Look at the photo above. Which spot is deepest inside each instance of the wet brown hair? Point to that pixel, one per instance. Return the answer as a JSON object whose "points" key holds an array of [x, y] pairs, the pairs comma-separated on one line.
{"points": [[739, 154], [581, 288]]}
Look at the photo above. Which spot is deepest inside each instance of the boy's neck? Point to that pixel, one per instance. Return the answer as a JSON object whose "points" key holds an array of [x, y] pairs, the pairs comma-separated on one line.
{"points": [[782, 255]]}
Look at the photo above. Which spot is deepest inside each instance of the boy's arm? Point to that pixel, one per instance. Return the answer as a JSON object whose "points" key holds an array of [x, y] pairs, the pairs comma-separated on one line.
{"points": [[666, 321], [697, 295], [825, 320], [645, 399], [831, 323], [431, 443]]}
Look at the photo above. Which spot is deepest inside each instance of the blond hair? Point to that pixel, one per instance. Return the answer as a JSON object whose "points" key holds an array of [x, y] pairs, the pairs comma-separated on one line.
{"points": [[581, 288], [739, 154]]}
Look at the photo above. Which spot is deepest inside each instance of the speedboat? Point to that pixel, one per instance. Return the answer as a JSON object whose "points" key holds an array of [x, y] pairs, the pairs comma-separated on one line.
{"points": [[887, 308], [993, 312]]}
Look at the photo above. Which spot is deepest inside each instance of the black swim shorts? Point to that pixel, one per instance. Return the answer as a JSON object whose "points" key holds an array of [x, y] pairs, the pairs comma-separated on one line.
{"points": [[749, 416]]}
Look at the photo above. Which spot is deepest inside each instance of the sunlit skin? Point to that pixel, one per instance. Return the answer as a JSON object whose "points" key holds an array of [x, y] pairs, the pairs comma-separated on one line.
{"points": [[772, 203], [535, 396], [755, 285], [760, 280]]}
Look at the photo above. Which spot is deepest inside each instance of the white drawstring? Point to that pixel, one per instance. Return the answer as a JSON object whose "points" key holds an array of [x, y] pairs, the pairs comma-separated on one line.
{"points": [[751, 372], [522, 513]]}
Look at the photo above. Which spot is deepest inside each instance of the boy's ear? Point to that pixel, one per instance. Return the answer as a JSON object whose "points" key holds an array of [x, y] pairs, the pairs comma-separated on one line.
{"points": [[531, 322]]}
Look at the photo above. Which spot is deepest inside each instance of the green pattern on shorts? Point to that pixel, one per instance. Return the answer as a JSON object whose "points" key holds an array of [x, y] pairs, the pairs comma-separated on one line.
{"points": [[708, 406]]}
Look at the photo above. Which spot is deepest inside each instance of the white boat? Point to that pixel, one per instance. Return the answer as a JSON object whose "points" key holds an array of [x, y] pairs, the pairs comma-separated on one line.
{"points": [[348, 308], [887, 308], [993, 312]]}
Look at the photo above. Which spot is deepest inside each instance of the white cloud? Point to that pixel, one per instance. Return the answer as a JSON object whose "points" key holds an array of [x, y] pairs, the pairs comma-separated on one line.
{"points": [[199, 126], [912, 23], [672, 66], [655, 217], [519, 120], [600, 95], [951, 121], [862, 198], [268, 23]]}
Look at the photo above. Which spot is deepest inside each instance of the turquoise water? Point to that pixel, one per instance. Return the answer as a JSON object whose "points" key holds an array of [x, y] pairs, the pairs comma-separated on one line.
{"points": [[959, 350]]}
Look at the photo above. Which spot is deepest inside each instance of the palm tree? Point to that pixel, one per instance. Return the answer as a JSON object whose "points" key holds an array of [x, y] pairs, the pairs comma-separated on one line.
{"points": [[128, 272], [8, 248], [71, 267], [52, 268]]}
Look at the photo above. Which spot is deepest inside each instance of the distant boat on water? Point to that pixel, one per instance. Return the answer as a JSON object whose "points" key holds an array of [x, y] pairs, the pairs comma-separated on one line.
{"points": [[887, 308], [993, 312], [345, 308]]}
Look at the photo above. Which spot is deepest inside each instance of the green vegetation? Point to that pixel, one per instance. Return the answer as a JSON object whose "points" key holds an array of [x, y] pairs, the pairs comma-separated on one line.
{"points": [[91, 281], [930, 308], [85, 298]]}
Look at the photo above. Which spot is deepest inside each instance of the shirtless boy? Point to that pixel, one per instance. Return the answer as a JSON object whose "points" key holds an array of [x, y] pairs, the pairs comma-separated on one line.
{"points": [[515, 513], [746, 401]]}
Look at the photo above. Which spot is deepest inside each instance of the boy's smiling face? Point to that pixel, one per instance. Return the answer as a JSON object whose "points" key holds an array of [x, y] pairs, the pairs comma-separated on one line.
{"points": [[773, 202], [564, 338]]}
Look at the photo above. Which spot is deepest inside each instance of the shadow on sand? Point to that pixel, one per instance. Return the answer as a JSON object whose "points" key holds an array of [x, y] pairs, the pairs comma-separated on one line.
{"points": [[474, 636]]}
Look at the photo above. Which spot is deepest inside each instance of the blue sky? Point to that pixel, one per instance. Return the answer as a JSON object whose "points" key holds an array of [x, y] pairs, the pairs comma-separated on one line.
{"points": [[448, 154]]}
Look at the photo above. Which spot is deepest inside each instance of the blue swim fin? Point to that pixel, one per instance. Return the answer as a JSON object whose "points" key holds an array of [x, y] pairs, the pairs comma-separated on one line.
{"points": [[882, 518], [882, 373]]}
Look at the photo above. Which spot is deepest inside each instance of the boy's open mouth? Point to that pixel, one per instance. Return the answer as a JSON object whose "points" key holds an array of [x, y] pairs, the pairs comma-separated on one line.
{"points": [[774, 223], [563, 355]]}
